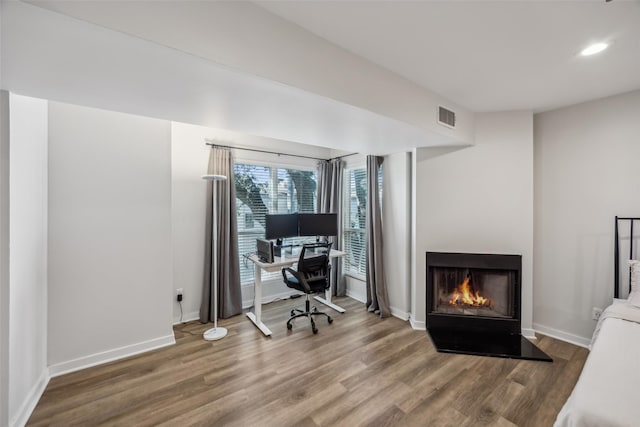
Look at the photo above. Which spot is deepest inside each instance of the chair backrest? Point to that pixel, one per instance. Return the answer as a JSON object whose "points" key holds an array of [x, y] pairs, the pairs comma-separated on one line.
{"points": [[314, 263]]}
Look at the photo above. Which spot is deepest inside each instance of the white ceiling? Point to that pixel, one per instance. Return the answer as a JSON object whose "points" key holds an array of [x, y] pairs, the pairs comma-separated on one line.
{"points": [[54, 56], [362, 76], [295, 85], [487, 55]]}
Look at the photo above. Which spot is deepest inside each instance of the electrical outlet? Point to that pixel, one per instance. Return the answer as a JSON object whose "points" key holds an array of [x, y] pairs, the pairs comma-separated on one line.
{"points": [[178, 291], [595, 313]]}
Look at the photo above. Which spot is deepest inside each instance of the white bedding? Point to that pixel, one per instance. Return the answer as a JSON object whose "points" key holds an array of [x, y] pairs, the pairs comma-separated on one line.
{"points": [[620, 309], [608, 390]]}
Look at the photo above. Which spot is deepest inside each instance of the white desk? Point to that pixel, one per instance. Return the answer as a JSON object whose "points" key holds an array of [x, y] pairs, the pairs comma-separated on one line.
{"points": [[278, 264]]}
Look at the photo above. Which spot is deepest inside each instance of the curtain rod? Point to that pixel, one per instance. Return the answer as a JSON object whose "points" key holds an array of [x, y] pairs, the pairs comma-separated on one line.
{"points": [[343, 156], [275, 152]]}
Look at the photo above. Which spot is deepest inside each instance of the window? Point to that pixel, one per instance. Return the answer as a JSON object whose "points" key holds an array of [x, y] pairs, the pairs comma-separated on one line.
{"points": [[354, 220], [262, 190]]}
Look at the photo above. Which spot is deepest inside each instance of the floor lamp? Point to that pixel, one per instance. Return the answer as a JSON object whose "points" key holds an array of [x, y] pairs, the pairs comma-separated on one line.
{"points": [[214, 333]]}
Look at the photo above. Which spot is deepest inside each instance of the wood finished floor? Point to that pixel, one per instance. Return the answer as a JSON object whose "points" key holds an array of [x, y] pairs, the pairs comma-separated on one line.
{"points": [[358, 371]]}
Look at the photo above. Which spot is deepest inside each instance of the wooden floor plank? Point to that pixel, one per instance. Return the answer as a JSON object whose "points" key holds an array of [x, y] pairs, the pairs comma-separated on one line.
{"points": [[359, 370]]}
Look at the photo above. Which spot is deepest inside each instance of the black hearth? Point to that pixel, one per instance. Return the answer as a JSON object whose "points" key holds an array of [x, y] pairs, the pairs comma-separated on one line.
{"points": [[473, 305]]}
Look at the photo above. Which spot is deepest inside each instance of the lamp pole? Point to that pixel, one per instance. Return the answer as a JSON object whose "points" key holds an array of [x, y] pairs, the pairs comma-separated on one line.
{"points": [[214, 333]]}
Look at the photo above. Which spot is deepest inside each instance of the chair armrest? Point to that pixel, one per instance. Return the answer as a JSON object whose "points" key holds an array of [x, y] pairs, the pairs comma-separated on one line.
{"points": [[297, 275]]}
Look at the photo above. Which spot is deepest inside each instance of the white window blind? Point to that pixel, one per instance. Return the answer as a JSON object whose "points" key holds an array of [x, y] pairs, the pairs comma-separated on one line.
{"points": [[354, 220], [262, 190]]}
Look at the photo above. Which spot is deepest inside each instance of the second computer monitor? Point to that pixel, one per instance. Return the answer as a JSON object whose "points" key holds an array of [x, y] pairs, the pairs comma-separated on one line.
{"points": [[318, 224], [280, 226]]}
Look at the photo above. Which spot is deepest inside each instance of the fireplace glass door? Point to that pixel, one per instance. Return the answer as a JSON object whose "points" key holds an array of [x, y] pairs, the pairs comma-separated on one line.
{"points": [[474, 292]]}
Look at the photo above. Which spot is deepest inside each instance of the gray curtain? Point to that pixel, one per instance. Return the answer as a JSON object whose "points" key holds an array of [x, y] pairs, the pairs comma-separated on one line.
{"points": [[377, 299], [330, 177], [226, 240]]}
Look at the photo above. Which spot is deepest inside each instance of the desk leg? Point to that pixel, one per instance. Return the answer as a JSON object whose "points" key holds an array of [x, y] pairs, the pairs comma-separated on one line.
{"points": [[328, 303], [327, 298], [256, 316]]}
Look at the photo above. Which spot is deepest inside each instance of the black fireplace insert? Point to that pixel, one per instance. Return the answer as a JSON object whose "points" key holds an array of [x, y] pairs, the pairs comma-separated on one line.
{"points": [[474, 305]]}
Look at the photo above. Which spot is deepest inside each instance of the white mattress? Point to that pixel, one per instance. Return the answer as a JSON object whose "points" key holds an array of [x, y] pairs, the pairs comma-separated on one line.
{"points": [[608, 390]]}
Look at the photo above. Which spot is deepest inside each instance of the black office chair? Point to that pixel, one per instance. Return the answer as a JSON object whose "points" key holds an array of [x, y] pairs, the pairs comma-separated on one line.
{"points": [[312, 276]]}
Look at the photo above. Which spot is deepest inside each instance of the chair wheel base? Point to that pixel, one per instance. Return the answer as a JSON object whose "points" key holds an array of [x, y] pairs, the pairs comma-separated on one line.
{"points": [[310, 313]]}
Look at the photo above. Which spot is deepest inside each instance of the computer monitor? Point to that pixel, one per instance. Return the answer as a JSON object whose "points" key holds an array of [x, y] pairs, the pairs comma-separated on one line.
{"points": [[325, 224], [278, 226]]}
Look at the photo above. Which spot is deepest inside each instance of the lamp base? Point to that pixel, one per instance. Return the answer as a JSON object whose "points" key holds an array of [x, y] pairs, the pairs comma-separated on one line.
{"points": [[215, 334]]}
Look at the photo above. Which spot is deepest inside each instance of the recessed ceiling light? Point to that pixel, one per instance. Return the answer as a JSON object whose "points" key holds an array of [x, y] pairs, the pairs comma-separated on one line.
{"points": [[594, 48]]}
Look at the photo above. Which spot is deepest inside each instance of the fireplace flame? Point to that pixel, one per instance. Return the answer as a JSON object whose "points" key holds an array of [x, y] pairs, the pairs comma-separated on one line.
{"points": [[464, 295]]}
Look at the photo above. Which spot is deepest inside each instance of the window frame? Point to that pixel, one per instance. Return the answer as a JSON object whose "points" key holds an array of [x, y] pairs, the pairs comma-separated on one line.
{"points": [[273, 165], [346, 200], [348, 230]]}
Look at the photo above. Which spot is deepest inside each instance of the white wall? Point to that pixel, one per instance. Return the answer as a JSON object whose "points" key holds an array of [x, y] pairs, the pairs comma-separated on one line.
{"points": [[396, 217], [477, 199], [189, 157], [275, 49], [56, 57], [28, 374], [586, 173], [4, 258], [110, 287]]}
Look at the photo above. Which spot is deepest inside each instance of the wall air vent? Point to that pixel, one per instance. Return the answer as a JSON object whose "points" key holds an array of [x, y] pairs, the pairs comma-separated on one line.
{"points": [[446, 117]]}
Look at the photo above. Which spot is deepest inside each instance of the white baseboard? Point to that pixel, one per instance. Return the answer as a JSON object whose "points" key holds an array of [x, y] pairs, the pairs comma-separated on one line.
{"points": [[187, 317], [26, 409], [529, 333], [358, 296], [271, 298], [272, 290], [356, 288], [400, 314], [110, 355], [562, 336], [418, 325]]}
